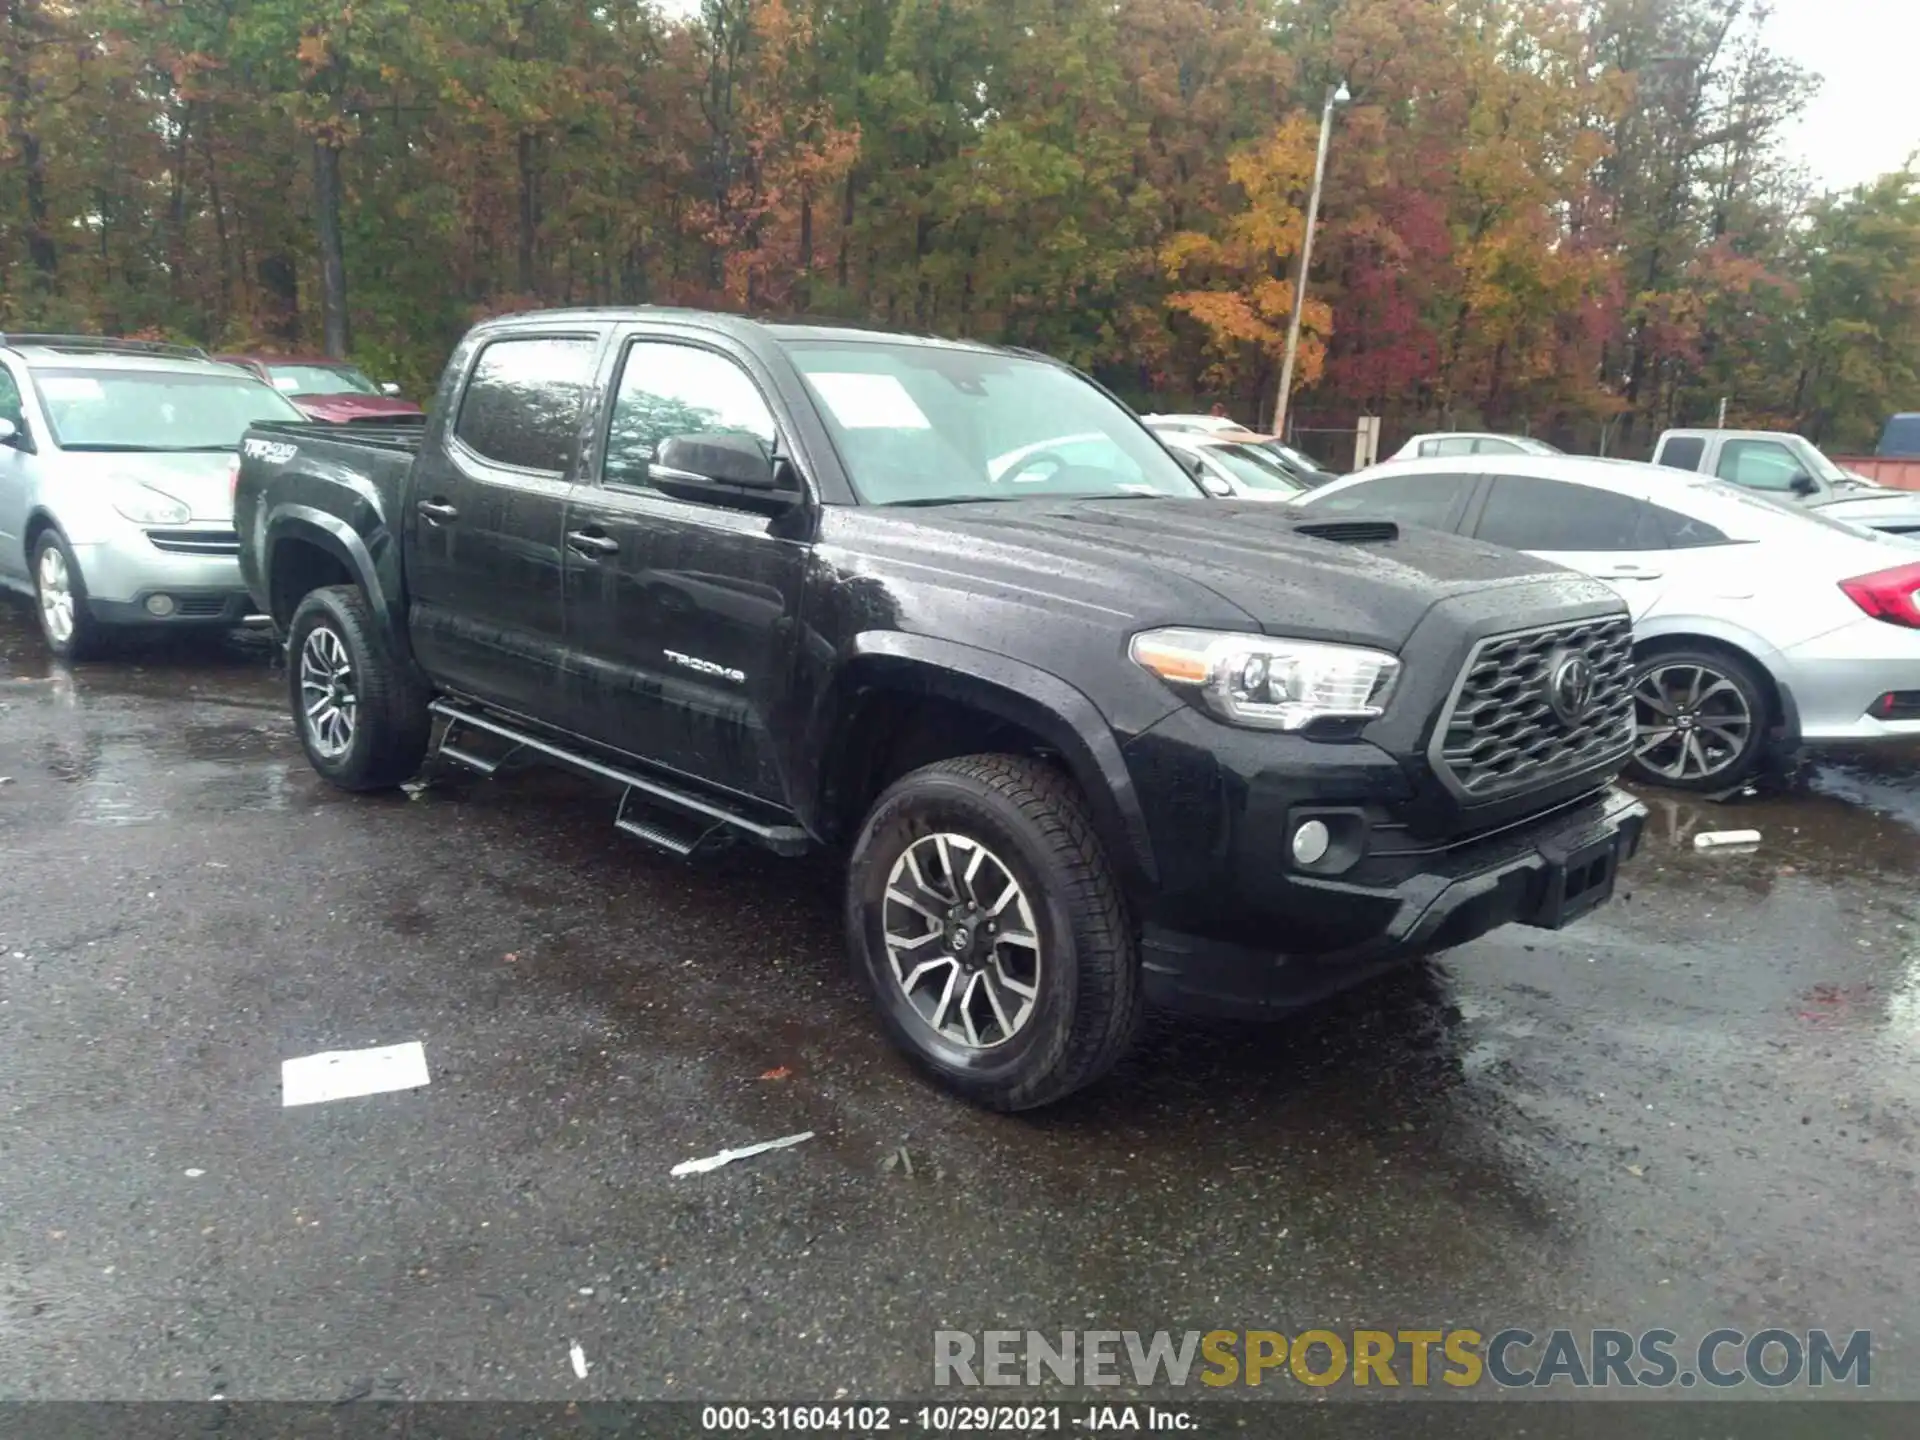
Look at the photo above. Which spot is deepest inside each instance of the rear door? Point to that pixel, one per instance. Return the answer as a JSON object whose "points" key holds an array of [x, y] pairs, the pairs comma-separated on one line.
{"points": [[15, 476], [681, 615], [1613, 537], [488, 513]]}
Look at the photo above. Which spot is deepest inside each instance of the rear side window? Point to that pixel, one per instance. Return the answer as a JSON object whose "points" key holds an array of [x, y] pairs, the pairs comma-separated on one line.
{"points": [[1901, 438], [523, 400], [1489, 446], [1679, 532], [1434, 501], [1447, 445], [10, 406], [1682, 452], [1525, 513]]}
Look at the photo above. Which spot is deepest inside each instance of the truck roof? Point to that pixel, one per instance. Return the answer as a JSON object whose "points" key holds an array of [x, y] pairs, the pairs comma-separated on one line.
{"points": [[737, 325]]}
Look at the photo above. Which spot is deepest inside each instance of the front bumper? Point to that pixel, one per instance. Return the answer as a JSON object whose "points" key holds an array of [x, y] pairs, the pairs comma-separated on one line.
{"points": [[122, 575], [1547, 871]]}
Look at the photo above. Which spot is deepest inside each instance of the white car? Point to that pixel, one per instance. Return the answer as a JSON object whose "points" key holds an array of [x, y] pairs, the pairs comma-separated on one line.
{"points": [[1231, 468], [1753, 619], [1439, 443], [1207, 424]]}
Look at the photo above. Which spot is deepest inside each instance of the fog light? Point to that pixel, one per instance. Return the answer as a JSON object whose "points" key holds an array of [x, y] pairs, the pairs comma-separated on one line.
{"points": [[160, 606], [1310, 842]]}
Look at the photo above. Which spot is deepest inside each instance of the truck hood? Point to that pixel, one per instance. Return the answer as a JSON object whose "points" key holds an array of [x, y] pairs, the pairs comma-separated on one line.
{"points": [[1169, 561], [341, 409], [202, 480]]}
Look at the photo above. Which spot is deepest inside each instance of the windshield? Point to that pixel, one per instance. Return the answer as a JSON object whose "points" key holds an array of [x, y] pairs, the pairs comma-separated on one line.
{"points": [[154, 409], [320, 380], [934, 425], [1253, 469], [1808, 454]]}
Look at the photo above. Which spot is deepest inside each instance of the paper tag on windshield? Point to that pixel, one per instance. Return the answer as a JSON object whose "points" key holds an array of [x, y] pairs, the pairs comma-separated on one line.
{"points": [[869, 402], [71, 387]]}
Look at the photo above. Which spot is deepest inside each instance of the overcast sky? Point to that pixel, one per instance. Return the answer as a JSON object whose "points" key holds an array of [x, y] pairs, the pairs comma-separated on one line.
{"points": [[1866, 119]]}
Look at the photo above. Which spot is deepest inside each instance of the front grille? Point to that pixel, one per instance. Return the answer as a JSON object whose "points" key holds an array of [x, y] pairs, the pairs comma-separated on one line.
{"points": [[1502, 734], [210, 541]]}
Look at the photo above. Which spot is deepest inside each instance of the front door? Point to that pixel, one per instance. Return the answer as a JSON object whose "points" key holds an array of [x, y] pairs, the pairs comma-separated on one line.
{"points": [[15, 563], [488, 519], [681, 615]]}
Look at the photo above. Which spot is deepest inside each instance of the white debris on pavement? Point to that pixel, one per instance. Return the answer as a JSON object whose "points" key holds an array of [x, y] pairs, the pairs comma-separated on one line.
{"points": [[1719, 839], [344, 1074], [727, 1157], [580, 1366]]}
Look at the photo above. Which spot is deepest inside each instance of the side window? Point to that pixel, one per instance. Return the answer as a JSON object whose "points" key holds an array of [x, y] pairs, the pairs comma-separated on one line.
{"points": [[1452, 445], [1428, 500], [1525, 513], [1489, 446], [1682, 452], [1758, 464], [523, 400], [10, 406], [1681, 532], [666, 390]]}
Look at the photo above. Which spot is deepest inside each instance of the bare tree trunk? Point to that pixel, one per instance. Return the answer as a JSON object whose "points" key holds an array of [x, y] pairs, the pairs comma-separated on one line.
{"points": [[529, 209], [23, 19], [333, 265], [223, 307], [177, 207]]}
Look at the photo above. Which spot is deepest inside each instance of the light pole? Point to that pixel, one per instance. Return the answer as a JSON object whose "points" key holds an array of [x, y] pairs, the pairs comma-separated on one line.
{"points": [[1336, 95]]}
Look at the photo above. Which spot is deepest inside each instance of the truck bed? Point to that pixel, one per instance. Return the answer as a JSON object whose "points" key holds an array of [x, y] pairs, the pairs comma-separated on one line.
{"points": [[401, 436]]}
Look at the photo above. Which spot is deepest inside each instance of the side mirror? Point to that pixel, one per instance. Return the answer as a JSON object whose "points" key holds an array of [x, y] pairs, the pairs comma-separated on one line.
{"points": [[1804, 485], [390, 390], [1216, 487], [721, 469], [9, 432]]}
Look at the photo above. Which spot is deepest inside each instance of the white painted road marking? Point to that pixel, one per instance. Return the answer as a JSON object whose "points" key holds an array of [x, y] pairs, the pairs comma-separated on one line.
{"points": [[343, 1074], [580, 1366]]}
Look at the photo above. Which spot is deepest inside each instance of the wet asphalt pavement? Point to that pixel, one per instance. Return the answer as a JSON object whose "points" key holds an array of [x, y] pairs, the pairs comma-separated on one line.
{"points": [[1696, 1108]]}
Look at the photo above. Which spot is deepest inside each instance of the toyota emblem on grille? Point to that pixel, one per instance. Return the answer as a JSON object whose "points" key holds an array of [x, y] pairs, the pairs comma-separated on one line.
{"points": [[1569, 686]]}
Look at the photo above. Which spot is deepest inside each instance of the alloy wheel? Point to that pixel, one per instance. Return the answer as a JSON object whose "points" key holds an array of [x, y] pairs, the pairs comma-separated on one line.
{"points": [[1693, 721], [961, 940], [329, 707], [56, 594]]}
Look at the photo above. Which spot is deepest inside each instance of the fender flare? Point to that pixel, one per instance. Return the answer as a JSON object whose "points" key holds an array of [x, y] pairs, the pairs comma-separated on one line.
{"points": [[311, 526], [1064, 718]]}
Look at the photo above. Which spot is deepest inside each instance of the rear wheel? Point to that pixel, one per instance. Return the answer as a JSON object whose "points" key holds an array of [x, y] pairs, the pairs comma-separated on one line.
{"points": [[60, 598], [362, 717], [1701, 716], [986, 921]]}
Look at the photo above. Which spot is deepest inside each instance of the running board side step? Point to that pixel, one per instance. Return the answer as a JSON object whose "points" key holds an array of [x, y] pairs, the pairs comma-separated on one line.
{"points": [[651, 810]]}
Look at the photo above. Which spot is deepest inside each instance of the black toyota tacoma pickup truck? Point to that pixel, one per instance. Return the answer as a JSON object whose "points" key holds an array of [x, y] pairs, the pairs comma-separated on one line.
{"points": [[1087, 737]]}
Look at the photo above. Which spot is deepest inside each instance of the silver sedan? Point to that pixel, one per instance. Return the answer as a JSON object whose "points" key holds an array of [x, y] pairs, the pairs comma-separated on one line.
{"points": [[116, 484], [1755, 621]]}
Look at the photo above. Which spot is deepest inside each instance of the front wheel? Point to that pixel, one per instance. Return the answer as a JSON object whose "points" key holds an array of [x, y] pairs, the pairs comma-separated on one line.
{"points": [[363, 719], [988, 925], [1701, 719], [60, 597]]}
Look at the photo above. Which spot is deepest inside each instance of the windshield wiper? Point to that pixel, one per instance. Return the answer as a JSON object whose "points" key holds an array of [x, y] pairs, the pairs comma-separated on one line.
{"points": [[922, 502]]}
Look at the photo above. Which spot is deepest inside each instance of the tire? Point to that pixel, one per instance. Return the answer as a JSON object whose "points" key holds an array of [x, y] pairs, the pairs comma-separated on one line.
{"points": [[69, 629], [1722, 754], [384, 709], [1028, 823]]}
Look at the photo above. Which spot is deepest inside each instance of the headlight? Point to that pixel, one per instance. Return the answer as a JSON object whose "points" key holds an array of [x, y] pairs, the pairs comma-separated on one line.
{"points": [[1272, 683], [145, 505]]}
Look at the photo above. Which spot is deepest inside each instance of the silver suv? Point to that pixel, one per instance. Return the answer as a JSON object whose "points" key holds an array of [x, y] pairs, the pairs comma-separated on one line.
{"points": [[116, 483]]}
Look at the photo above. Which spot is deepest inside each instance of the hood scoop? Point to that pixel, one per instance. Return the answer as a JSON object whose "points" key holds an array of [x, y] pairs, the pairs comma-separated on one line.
{"points": [[1349, 532]]}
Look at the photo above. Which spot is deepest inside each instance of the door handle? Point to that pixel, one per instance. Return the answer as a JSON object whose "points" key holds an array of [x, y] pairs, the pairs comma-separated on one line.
{"points": [[1629, 572], [438, 511], [585, 542]]}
